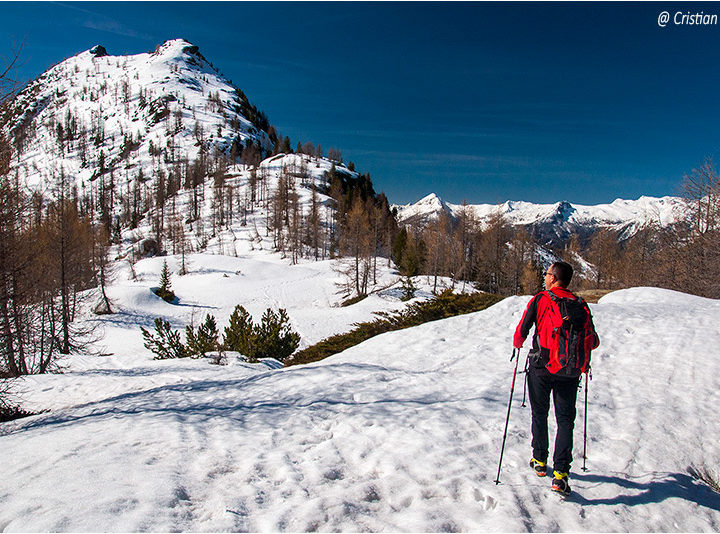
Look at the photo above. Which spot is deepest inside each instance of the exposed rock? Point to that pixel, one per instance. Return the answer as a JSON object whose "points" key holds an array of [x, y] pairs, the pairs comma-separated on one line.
{"points": [[148, 247], [98, 51], [102, 308]]}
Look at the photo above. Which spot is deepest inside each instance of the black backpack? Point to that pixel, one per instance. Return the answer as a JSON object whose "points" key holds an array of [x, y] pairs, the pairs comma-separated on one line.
{"points": [[573, 336]]}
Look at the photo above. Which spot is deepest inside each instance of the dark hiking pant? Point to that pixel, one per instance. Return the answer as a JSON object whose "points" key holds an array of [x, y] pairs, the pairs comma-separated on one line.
{"points": [[564, 392]]}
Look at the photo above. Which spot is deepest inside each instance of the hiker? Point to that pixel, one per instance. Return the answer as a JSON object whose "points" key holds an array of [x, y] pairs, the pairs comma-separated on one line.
{"points": [[564, 336]]}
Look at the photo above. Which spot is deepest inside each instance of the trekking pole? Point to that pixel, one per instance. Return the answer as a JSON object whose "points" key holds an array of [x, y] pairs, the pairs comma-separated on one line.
{"points": [[587, 377], [525, 383], [507, 419]]}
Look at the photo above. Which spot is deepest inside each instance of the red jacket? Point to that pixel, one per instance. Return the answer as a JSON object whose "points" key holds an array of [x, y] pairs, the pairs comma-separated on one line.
{"points": [[537, 313]]}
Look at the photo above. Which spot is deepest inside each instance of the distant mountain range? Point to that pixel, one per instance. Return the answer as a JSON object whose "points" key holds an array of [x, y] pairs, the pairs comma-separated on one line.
{"points": [[554, 223]]}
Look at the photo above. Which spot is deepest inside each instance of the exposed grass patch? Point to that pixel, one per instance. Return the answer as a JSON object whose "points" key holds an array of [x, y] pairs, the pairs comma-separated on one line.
{"points": [[593, 295], [354, 300], [447, 304]]}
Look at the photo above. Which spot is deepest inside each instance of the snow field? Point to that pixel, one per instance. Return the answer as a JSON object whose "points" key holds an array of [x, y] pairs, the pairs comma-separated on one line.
{"points": [[400, 433]]}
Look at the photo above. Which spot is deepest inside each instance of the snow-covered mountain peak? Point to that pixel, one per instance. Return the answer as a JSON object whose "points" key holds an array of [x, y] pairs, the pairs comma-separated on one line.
{"points": [[431, 201], [432, 197], [179, 50], [563, 211], [96, 113], [426, 209], [175, 47]]}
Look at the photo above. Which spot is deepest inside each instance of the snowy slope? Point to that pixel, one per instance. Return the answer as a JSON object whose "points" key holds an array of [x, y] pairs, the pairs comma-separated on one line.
{"points": [[400, 433], [246, 233], [216, 284], [623, 215]]}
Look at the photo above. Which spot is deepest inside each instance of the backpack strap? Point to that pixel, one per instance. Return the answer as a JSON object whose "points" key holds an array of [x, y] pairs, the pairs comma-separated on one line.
{"points": [[555, 298]]}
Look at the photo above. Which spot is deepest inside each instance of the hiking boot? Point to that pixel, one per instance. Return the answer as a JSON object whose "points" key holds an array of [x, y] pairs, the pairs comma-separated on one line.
{"points": [[560, 483], [539, 467]]}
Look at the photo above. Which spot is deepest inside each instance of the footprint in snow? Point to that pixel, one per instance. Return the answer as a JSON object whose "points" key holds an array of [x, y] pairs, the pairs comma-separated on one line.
{"points": [[488, 502]]}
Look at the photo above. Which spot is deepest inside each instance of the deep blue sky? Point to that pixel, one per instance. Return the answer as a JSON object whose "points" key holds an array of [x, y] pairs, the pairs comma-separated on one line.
{"points": [[486, 102]]}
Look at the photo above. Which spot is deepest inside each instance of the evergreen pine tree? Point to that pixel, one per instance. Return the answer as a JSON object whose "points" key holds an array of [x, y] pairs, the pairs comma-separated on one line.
{"points": [[205, 340], [238, 335], [165, 278], [164, 291], [272, 338], [408, 288], [165, 343], [275, 337], [398, 247]]}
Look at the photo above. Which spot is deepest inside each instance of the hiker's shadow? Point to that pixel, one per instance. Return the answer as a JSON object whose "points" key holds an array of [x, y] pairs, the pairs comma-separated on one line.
{"points": [[672, 485]]}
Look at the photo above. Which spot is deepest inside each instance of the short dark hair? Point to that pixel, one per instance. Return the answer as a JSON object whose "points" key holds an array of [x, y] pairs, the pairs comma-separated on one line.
{"points": [[563, 272]]}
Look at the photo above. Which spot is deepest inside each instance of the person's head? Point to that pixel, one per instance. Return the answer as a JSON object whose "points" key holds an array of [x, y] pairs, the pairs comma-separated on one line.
{"points": [[558, 274]]}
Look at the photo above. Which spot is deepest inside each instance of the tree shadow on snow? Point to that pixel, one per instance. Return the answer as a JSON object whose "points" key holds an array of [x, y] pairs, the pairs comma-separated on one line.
{"points": [[123, 373], [183, 304], [673, 485], [185, 402]]}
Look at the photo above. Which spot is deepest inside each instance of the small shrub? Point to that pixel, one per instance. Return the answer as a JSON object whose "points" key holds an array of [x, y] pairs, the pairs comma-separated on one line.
{"points": [[272, 338], [165, 343], [167, 296], [408, 288], [218, 358], [8, 409], [205, 340], [10, 413], [704, 474]]}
